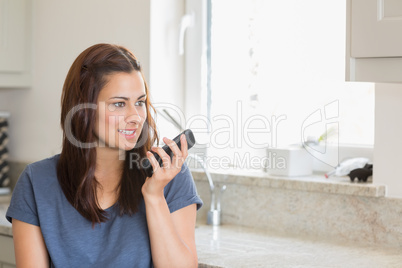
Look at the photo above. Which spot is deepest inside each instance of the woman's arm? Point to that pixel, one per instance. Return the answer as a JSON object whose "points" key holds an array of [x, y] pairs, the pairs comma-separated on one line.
{"points": [[171, 235], [29, 246]]}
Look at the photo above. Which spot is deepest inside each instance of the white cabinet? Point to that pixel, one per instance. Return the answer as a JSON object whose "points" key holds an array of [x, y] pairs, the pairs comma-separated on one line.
{"points": [[374, 40], [15, 43]]}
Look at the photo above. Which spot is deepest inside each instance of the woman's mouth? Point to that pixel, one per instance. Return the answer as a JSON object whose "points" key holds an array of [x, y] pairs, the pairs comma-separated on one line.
{"points": [[127, 133]]}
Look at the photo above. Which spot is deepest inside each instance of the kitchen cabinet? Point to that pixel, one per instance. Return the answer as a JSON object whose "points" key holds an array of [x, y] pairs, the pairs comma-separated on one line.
{"points": [[7, 255], [374, 40], [15, 43]]}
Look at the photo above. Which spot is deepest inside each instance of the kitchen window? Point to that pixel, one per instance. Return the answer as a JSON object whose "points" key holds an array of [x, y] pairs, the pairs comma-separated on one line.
{"points": [[274, 75]]}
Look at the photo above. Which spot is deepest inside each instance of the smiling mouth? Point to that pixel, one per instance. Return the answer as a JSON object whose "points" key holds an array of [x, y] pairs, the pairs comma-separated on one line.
{"points": [[126, 132]]}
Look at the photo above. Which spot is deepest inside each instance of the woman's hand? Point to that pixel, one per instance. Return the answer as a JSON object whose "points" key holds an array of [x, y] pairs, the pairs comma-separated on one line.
{"points": [[153, 186], [171, 234]]}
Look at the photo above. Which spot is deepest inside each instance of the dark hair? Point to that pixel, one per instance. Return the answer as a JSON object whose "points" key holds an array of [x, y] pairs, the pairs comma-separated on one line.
{"points": [[76, 166]]}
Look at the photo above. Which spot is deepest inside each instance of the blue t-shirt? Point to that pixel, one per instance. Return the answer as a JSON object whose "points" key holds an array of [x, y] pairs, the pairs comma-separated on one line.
{"points": [[122, 241]]}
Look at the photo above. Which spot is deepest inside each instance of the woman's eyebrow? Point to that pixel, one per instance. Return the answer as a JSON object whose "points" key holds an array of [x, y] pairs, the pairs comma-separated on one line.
{"points": [[125, 98], [119, 97], [142, 96]]}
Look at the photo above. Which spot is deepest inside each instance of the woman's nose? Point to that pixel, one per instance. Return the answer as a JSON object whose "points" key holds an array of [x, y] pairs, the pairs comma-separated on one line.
{"points": [[133, 117]]}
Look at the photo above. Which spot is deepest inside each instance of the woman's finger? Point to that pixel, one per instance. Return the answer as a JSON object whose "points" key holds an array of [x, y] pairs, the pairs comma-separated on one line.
{"points": [[153, 161], [166, 161], [177, 153], [184, 146]]}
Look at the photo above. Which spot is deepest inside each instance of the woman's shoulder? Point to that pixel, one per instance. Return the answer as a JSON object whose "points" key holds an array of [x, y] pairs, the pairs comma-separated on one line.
{"points": [[183, 179], [181, 191], [45, 163], [43, 169], [184, 176], [36, 185]]}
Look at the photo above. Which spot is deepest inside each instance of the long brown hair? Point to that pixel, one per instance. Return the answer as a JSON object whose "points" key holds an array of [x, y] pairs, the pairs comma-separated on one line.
{"points": [[76, 165]]}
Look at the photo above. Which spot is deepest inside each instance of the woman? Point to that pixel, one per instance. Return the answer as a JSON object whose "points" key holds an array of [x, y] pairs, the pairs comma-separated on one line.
{"points": [[92, 205]]}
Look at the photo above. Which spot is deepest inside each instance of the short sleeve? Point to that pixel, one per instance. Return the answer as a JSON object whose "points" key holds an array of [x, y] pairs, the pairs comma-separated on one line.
{"points": [[23, 205], [181, 191]]}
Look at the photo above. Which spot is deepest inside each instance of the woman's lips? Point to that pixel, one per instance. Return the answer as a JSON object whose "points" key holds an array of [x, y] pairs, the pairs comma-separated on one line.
{"points": [[127, 133]]}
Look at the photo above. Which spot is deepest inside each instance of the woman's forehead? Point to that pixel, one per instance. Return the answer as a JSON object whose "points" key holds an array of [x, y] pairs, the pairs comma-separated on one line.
{"points": [[127, 85]]}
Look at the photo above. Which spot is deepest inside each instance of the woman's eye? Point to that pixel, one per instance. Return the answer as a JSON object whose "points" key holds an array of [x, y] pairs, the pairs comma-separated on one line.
{"points": [[140, 103], [119, 104]]}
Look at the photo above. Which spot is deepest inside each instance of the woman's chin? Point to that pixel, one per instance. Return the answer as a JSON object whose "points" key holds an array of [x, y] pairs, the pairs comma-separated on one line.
{"points": [[120, 145], [127, 147]]}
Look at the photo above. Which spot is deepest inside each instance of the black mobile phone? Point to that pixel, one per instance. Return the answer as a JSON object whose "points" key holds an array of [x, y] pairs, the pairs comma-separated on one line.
{"points": [[190, 143]]}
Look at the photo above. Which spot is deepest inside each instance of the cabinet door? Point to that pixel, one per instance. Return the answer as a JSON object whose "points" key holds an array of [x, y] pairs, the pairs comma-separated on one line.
{"points": [[12, 35], [376, 28], [7, 255], [15, 43]]}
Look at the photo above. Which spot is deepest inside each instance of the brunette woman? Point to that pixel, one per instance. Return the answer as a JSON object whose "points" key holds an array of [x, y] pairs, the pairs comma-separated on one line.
{"points": [[92, 205]]}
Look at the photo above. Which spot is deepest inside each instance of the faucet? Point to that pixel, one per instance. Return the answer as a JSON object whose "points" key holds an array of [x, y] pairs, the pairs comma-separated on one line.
{"points": [[214, 213]]}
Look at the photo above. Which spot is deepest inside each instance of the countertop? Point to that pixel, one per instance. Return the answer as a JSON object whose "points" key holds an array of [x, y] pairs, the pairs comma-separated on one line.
{"points": [[234, 246], [313, 183]]}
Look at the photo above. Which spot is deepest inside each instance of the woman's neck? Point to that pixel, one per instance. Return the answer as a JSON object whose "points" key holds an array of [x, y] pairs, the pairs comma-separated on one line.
{"points": [[109, 168]]}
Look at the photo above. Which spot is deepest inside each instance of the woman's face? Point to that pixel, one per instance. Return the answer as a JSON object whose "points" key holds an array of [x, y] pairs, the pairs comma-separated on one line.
{"points": [[121, 111]]}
